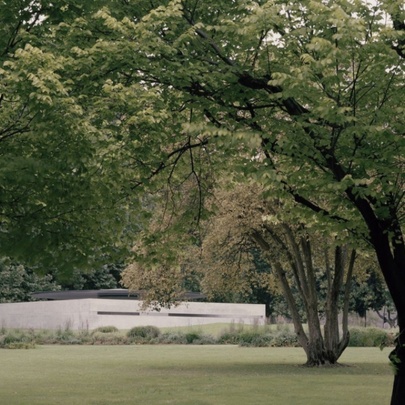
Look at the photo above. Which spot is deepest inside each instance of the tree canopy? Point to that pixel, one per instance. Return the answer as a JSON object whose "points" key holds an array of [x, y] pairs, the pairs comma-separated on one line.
{"points": [[17, 282], [61, 199], [305, 97]]}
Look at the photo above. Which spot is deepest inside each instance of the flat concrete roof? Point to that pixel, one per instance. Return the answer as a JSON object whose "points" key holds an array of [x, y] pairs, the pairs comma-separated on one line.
{"points": [[116, 293]]}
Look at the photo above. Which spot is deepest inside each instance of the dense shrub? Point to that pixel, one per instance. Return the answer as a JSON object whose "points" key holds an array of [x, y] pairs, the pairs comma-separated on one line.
{"points": [[199, 338], [176, 338], [105, 329], [259, 337], [143, 333], [49, 337], [256, 337], [67, 337], [229, 337], [20, 345], [241, 337], [370, 337], [257, 341], [180, 338], [192, 336], [205, 340], [284, 338], [17, 339], [111, 338]]}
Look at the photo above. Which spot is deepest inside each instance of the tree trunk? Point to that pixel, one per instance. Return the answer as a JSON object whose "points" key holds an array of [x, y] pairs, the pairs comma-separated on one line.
{"points": [[331, 328], [397, 358], [388, 242], [315, 350], [320, 349], [299, 330], [391, 258]]}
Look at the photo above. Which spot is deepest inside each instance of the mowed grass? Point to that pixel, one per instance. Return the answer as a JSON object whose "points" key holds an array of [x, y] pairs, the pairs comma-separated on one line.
{"points": [[189, 375]]}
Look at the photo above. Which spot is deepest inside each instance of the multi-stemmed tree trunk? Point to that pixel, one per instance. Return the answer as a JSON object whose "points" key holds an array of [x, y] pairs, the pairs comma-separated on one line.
{"points": [[321, 348]]}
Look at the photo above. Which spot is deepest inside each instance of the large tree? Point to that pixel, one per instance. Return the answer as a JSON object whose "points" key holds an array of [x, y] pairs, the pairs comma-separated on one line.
{"points": [[314, 87], [308, 95], [61, 201]]}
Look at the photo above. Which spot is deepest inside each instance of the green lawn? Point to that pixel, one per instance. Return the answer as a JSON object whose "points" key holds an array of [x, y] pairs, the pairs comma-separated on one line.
{"points": [[189, 375]]}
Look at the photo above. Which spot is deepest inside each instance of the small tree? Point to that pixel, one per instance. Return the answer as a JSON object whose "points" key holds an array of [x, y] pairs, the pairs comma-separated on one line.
{"points": [[245, 226]]}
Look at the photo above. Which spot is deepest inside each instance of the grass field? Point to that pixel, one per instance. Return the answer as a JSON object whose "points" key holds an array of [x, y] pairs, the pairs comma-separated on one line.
{"points": [[189, 375]]}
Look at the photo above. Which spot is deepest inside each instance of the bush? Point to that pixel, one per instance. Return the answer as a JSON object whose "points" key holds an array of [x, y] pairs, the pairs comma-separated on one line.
{"points": [[256, 338], [257, 341], [143, 333], [370, 337], [20, 345], [199, 338], [17, 339], [259, 337], [176, 338], [112, 338], [244, 338], [110, 335], [180, 338], [230, 337], [205, 340], [285, 338], [47, 337], [67, 337], [105, 329]]}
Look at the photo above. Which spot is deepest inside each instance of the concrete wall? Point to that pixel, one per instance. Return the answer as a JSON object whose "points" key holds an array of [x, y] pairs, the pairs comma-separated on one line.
{"points": [[124, 314]]}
